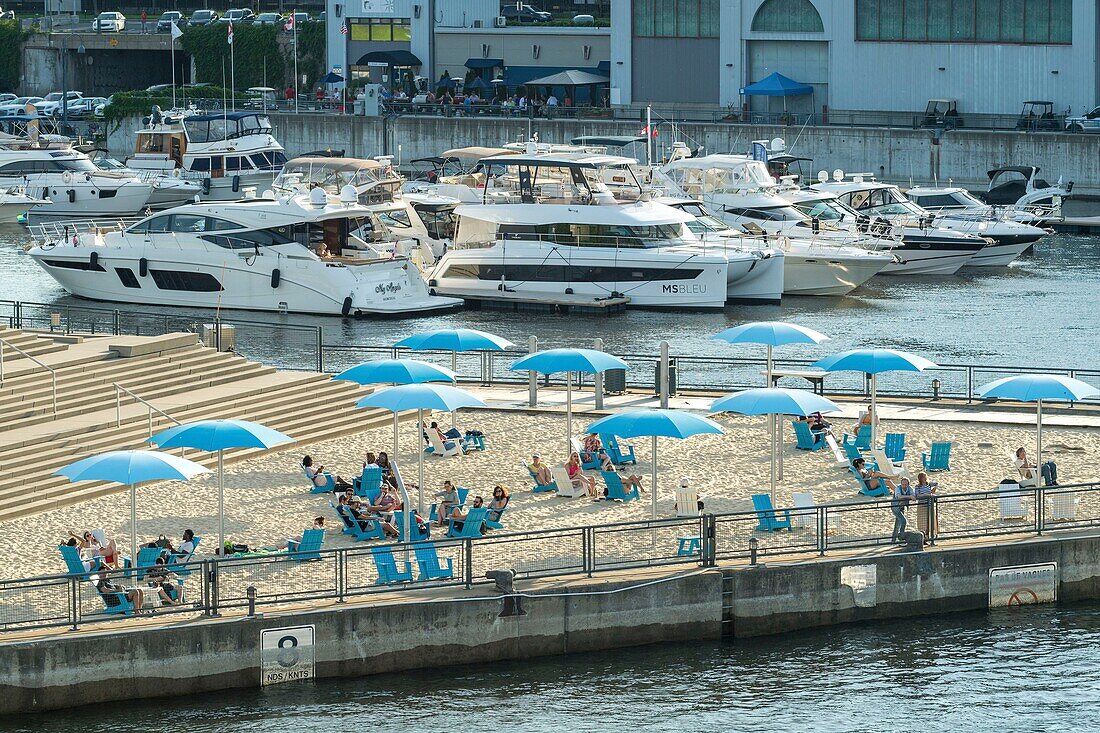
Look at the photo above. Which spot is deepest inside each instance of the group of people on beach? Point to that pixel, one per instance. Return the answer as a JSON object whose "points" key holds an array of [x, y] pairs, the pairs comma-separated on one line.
{"points": [[592, 451], [99, 552]]}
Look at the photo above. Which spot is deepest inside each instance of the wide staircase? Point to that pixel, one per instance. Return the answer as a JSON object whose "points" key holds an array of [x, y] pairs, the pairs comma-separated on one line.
{"points": [[181, 381]]}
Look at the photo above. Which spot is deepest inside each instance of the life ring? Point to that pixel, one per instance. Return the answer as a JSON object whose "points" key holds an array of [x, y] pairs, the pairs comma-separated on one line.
{"points": [[67, 177], [175, 172]]}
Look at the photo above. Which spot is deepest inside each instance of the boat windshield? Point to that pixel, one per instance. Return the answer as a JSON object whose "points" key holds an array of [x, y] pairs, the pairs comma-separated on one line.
{"points": [[824, 209], [373, 182], [704, 221], [556, 183], [767, 213], [750, 175], [439, 220], [78, 165], [208, 128], [887, 201]]}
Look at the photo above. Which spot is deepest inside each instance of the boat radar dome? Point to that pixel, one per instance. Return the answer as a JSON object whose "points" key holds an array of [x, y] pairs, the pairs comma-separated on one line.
{"points": [[348, 195], [778, 145], [268, 193], [838, 175], [318, 198], [823, 176]]}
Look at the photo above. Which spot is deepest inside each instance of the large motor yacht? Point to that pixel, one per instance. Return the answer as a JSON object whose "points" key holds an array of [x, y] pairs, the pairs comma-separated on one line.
{"points": [[550, 230], [743, 194], [224, 153], [296, 254]]}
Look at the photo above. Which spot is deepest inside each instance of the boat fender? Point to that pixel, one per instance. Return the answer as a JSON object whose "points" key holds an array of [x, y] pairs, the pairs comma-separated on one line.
{"points": [[815, 225], [206, 186], [93, 259], [67, 176], [143, 267], [275, 276], [72, 195], [346, 309], [175, 173], [236, 184]]}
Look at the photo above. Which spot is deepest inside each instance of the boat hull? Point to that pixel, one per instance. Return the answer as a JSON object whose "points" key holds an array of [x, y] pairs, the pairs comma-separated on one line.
{"points": [[826, 273]]}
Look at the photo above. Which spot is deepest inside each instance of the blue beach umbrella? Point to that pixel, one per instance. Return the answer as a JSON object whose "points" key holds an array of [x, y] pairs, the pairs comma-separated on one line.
{"points": [[773, 401], [874, 362], [220, 435], [131, 467], [556, 361], [655, 424], [1036, 388], [395, 371], [419, 397], [455, 339]]}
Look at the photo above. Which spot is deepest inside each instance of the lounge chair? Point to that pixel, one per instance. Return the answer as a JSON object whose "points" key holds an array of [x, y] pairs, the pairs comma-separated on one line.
{"points": [[308, 548], [442, 448], [937, 459], [369, 483], [76, 564], [687, 501], [471, 526], [418, 533], [386, 565], [895, 447], [883, 464], [539, 488], [177, 561], [345, 519], [329, 486], [492, 523], [1063, 505], [838, 455], [473, 442], [354, 527], [428, 561], [769, 518], [615, 489], [866, 490], [565, 485], [851, 452], [807, 439], [862, 440], [1010, 496], [433, 512], [147, 558], [615, 450], [805, 512], [116, 602]]}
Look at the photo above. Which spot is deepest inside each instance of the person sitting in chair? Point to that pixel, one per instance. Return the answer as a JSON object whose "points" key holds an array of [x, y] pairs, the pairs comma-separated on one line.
{"points": [[540, 471], [866, 419], [458, 516], [630, 482], [448, 500], [134, 595], [317, 475], [498, 503], [578, 477], [592, 448], [1049, 470], [165, 582], [187, 545], [873, 479]]}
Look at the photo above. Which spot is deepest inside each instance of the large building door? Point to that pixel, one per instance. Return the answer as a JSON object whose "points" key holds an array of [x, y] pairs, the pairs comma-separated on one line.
{"points": [[803, 61]]}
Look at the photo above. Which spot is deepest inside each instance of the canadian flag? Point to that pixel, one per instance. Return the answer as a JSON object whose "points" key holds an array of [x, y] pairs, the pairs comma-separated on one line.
{"points": [[230, 33], [289, 23], [647, 132]]}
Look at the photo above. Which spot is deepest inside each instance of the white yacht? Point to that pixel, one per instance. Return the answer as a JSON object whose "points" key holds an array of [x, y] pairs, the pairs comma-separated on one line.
{"points": [[224, 153], [743, 194], [549, 230], [955, 208], [1020, 187], [66, 182], [169, 189], [924, 248], [14, 203], [300, 254]]}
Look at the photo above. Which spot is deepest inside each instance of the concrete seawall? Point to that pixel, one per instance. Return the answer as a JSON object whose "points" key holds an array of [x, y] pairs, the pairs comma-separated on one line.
{"points": [[897, 155], [445, 626]]}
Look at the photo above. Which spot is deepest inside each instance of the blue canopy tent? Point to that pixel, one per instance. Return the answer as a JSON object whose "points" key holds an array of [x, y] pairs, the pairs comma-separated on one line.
{"points": [[777, 85]]}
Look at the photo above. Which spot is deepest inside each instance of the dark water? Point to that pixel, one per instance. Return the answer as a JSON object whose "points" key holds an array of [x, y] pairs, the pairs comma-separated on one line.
{"points": [[1021, 670], [1040, 311]]}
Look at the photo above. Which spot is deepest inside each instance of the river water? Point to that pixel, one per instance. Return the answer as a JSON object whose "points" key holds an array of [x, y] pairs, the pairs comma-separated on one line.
{"points": [[1041, 311], [1031, 669]]}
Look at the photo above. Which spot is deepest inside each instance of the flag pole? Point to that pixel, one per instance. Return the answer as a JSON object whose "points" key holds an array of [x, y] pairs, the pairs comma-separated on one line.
{"points": [[173, 72], [232, 70], [294, 25]]}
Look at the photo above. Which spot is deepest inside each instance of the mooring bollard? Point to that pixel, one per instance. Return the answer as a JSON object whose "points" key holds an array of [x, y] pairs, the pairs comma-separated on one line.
{"points": [[250, 592]]}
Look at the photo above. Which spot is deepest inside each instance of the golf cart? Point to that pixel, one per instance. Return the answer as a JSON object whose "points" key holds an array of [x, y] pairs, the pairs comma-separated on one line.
{"points": [[1038, 116], [942, 113]]}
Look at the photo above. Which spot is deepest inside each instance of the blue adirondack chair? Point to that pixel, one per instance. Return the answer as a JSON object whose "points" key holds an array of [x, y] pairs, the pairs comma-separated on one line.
{"points": [[386, 565], [807, 439], [894, 448], [862, 441], [492, 520], [329, 487], [372, 531], [76, 566], [428, 561], [418, 533], [590, 461], [178, 560], [470, 526], [344, 518], [147, 558], [615, 489], [768, 516], [462, 494], [866, 490], [615, 451], [851, 452], [308, 548], [369, 481], [938, 459], [115, 602], [474, 442], [539, 489]]}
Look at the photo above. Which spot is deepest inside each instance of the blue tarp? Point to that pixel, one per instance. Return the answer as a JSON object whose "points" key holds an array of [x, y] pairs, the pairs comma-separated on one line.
{"points": [[776, 85]]}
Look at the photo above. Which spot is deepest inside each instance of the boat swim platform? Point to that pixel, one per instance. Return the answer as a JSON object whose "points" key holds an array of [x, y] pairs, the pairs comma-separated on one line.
{"points": [[564, 303], [1077, 225]]}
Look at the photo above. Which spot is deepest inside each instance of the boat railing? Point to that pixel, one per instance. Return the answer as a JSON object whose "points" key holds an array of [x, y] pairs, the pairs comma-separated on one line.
{"points": [[52, 232], [53, 372]]}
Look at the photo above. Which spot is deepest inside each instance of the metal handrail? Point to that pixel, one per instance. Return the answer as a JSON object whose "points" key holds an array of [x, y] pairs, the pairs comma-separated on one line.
{"points": [[119, 389], [51, 370]]}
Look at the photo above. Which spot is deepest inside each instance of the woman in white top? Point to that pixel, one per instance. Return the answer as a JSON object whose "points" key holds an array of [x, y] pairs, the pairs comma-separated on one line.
{"points": [[1049, 470]]}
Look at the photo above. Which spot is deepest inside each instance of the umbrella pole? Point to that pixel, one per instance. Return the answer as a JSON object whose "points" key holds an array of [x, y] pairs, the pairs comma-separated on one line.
{"points": [[653, 487], [395, 435], [133, 527], [420, 462], [771, 419], [874, 411], [454, 368], [568, 414], [221, 500], [1038, 442]]}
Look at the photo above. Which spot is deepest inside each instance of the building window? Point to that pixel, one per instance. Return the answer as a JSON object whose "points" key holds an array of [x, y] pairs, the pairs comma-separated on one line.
{"points": [[380, 29], [787, 16], [963, 21], [676, 18]]}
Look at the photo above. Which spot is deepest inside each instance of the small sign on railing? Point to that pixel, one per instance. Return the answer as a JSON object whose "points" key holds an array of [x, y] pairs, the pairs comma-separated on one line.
{"points": [[286, 655], [1023, 585]]}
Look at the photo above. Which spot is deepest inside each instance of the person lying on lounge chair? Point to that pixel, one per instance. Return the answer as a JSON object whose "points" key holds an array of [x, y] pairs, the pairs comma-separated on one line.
{"points": [[630, 481], [540, 471], [872, 478], [134, 595]]}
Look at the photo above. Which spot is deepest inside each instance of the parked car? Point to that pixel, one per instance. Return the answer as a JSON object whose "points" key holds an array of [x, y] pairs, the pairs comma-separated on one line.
{"points": [[525, 14], [6, 97], [109, 22], [1088, 123], [51, 104], [16, 106], [85, 107], [302, 18], [203, 17], [261, 98], [238, 16], [100, 109], [169, 19], [269, 19]]}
